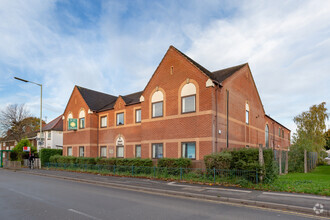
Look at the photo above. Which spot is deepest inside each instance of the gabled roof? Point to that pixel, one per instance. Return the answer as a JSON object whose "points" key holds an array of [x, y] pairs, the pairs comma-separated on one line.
{"points": [[277, 122], [223, 74], [95, 100], [218, 76], [132, 98], [54, 125]]}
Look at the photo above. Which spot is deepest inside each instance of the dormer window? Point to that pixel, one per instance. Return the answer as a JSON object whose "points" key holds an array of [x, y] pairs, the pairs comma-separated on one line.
{"points": [[120, 118]]}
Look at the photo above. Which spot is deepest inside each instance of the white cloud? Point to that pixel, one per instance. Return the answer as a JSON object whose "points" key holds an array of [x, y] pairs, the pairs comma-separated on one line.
{"points": [[287, 47]]}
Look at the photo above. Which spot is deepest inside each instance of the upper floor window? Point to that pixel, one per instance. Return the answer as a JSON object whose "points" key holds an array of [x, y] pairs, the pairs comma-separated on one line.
{"points": [[157, 104], [82, 119], [279, 132], [138, 115], [247, 110], [120, 118], [49, 135], [282, 133], [104, 121], [188, 98]]}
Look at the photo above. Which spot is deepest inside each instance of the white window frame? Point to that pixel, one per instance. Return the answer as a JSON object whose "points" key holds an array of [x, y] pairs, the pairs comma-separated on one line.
{"points": [[117, 117], [104, 119], [138, 116]]}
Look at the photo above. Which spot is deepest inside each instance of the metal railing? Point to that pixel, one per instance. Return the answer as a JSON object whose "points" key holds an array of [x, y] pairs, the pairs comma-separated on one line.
{"points": [[189, 174]]}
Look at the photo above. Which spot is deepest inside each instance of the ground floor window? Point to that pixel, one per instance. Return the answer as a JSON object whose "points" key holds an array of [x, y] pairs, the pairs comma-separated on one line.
{"points": [[69, 151], [81, 151], [103, 151], [138, 151], [120, 151], [157, 150], [189, 150]]}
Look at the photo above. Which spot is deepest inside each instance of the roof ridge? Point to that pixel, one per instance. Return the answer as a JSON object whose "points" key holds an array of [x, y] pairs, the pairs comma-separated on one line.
{"points": [[230, 67]]}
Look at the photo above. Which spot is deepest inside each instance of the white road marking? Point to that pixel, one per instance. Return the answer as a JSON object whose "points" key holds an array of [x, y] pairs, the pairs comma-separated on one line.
{"points": [[84, 214], [25, 194], [209, 188], [293, 195]]}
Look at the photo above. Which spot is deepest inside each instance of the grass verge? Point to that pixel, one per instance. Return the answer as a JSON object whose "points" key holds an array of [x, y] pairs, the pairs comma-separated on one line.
{"points": [[316, 182]]}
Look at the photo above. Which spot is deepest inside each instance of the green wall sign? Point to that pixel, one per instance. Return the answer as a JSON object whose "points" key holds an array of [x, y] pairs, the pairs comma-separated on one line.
{"points": [[72, 124]]}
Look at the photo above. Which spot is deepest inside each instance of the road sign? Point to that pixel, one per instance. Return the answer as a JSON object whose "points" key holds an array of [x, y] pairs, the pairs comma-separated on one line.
{"points": [[26, 149]]}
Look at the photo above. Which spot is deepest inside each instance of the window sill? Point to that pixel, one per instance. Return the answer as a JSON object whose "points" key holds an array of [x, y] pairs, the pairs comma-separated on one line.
{"points": [[188, 112]]}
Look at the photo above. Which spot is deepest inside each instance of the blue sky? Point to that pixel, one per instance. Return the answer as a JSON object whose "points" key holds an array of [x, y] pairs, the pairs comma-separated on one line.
{"points": [[115, 46]]}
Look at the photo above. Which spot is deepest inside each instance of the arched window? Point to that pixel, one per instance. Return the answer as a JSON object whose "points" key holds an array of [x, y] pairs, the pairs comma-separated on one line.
{"points": [[69, 117], [188, 98], [267, 136], [82, 119], [157, 101]]}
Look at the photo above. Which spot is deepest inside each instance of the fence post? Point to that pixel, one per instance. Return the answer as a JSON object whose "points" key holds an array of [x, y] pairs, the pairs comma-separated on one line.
{"points": [[286, 162], [280, 162], [180, 173], [132, 170], [214, 174], [257, 178]]}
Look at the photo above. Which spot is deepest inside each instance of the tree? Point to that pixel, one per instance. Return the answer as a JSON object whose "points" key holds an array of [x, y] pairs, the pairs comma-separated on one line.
{"points": [[18, 154], [16, 122], [311, 127], [327, 139]]}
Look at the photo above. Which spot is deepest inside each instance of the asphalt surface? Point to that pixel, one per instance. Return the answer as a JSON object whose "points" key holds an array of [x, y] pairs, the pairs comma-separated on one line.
{"points": [[26, 196], [306, 201]]}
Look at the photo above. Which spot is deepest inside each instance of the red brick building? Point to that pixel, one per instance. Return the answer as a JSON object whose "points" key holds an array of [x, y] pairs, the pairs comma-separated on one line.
{"points": [[185, 110]]}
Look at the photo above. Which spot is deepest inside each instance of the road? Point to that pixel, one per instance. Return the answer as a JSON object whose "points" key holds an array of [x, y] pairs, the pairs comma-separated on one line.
{"points": [[25, 196]]}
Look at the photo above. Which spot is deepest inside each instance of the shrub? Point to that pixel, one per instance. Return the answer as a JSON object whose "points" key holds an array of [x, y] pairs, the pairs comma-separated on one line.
{"points": [[101, 161], [174, 163], [220, 160], [86, 160], [296, 159], [45, 154], [54, 158], [19, 154]]}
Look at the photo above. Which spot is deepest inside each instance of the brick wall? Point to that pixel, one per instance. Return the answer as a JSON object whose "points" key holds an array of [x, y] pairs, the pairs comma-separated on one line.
{"points": [[175, 127]]}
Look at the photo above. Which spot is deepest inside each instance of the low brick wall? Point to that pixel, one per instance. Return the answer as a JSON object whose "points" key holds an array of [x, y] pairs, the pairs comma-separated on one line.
{"points": [[15, 165]]}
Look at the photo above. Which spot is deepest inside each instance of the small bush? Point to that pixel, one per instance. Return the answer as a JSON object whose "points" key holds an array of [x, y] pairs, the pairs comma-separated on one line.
{"points": [[101, 161], [219, 161], [45, 154], [174, 163]]}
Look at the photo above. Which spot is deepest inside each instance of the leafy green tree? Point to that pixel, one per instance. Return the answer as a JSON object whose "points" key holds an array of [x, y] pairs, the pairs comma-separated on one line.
{"points": [[18, 154], [310, 128], [327, 139]]}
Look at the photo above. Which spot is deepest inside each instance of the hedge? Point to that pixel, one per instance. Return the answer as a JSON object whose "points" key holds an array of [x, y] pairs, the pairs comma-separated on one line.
{"points": [[174, 163], [244, 159], [101, 161], [45, 154]]}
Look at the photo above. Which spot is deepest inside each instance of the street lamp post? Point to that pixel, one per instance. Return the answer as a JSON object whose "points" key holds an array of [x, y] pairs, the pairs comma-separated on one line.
{"points": [[23, 80]]}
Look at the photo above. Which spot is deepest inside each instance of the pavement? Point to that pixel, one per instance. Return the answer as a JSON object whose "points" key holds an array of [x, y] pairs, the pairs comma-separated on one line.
{"points": [[295, 202], [26, 196]]}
